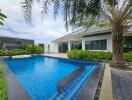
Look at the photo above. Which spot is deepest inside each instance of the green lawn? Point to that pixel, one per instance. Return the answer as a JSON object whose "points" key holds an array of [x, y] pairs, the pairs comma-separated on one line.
{"points": [[3, 87]]}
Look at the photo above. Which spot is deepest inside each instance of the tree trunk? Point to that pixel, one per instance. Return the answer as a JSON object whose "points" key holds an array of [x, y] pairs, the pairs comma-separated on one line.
{"points": [[117, 44]]}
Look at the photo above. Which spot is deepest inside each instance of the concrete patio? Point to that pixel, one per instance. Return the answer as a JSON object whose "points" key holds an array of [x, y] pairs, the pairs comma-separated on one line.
{"points": [[61, 55]]}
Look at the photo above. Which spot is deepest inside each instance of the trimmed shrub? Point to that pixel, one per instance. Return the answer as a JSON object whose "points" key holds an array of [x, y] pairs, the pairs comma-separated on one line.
{"points": [[23, 50], [32, 49], [3, 52], [95, 55], [17, 52], [128, 57]]}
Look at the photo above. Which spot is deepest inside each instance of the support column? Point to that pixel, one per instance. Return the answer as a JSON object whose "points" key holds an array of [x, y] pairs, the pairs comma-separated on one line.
{"points": [[83, 45], [69, 46]]}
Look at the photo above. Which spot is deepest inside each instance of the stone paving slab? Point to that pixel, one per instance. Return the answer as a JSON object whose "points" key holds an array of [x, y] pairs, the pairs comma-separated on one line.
{"points": [[122, 84], [106, 88]]}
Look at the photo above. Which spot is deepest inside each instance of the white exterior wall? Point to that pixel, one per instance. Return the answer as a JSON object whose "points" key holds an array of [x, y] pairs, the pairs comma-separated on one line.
{"points": [[108, 37], [69, 46], [83, 44], [53, 48]]}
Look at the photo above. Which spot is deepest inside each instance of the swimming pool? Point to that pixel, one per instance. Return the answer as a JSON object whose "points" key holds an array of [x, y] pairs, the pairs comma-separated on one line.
{"points": [[39, 74]]}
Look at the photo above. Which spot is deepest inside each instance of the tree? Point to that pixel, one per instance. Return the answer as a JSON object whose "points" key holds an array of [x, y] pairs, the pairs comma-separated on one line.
{"points": [[119, 20], [89, 12], [2, 18]]}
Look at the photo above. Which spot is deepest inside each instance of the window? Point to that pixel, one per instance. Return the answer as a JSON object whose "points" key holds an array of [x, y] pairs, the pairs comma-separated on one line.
{"points": [[63, 47], [96, 45], [127, 44], [76, 45]]}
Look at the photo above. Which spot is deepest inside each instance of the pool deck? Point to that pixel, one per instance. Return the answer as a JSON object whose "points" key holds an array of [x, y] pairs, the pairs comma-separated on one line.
{"points": [[106, 88], [15, 89], [122, 84], [61, 55]]}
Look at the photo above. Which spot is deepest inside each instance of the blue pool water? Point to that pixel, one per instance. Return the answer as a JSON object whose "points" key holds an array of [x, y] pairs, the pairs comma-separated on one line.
{"points": [[39, 75]]}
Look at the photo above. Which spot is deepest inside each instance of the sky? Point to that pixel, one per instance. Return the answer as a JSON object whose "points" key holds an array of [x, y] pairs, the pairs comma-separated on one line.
{"points": [[40, 31]]}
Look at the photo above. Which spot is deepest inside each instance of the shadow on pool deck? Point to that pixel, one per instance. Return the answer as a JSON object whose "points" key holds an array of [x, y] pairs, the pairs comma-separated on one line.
{"points": [[15, 90]]}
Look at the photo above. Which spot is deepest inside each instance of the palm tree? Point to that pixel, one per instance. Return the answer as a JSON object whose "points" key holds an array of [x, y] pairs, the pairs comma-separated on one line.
{"points": [[2, 18], [89, 12], [119, 20]]}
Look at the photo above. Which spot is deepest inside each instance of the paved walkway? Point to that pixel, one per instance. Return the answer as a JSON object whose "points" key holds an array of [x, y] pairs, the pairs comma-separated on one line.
{"points": [[122, 84]]}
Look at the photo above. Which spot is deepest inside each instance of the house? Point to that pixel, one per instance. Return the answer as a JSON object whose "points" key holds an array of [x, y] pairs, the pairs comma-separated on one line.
{"points": [[13, 43], [93, 38]]}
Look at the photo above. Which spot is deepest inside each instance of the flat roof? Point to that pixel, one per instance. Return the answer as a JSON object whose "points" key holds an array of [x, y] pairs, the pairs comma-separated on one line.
{"points": [[11, 37]]}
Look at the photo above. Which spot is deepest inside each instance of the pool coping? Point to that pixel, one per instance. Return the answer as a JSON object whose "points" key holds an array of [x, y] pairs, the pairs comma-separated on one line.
{"points": [[72, 60], [13, 85], [89, 90], [106, 89]]}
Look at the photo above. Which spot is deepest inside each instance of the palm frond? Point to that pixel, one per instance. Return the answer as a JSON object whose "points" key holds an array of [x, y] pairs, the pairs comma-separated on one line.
{"points": [[56, 7], [2, 18], [1, 23], [2, 15], [27, 10], [66, 12], [45, 7]]}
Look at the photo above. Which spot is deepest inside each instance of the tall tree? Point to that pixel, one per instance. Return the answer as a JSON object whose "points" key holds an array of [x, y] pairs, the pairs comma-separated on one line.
{"points": [[2, 18], [119, 20], [88, 12]]}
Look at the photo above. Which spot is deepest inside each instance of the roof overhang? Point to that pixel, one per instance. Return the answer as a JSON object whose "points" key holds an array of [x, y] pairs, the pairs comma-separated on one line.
{"points": [[92, 31]]}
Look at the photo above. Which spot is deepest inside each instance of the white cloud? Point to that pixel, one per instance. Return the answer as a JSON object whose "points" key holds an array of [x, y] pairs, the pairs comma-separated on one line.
{"points": [[16, 26]]}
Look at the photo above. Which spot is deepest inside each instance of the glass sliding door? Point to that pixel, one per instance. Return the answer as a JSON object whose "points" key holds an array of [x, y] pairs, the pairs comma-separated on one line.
{"points": [[63, 47], [76, 45], [127, 44], [96, 44]]}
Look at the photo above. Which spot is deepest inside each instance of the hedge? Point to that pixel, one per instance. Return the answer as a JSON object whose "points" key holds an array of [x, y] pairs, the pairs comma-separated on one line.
{"points": [[95, 55], [33, 49]]}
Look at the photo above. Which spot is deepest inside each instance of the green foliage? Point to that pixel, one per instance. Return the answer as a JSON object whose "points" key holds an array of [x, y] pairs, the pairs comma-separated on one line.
{"points": [[3, 52], [3, 85], [32, 49], [16, 52], [3, 88], [23, 50], [73, 10], [95, 55], [128, 57], [2, 18], [1, 69]]}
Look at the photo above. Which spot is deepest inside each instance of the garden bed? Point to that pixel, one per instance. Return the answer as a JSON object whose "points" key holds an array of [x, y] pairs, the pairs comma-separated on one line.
{"points": [[97, 56], [3, 86]]}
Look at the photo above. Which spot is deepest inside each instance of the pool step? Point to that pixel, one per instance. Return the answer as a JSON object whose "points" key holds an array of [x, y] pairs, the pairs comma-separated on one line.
{"points": [[62, 84], [74, 88]]}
